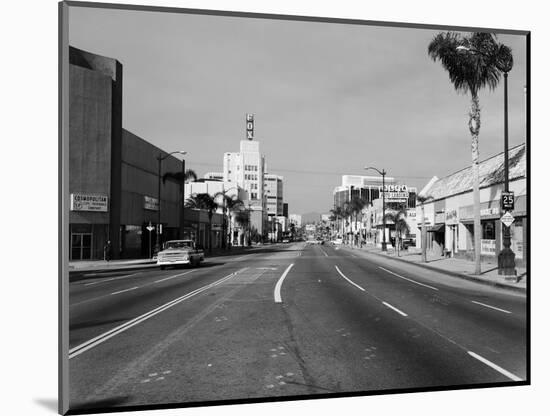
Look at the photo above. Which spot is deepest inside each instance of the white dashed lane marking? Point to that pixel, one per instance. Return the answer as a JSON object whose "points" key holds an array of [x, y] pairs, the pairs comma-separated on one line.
{"points": [[125, 290], [407, 279], [395, 309], [495, 367], [492, 307]]}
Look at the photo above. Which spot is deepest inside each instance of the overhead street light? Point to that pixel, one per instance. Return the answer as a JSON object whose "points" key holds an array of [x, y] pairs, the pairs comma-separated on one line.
{"points": [[160, 158], [383, 173]]}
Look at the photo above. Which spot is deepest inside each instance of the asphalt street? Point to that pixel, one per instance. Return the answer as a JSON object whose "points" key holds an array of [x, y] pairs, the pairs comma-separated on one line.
{"points": [[286, 320]]}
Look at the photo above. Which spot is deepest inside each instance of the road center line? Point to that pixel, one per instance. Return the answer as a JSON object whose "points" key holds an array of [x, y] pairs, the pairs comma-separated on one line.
{"points": [[172, 277], [495, 367], [395, 309], [409, 280], [353, 283], [79, 349], [125, 290], [492, 307], [277, 292]]}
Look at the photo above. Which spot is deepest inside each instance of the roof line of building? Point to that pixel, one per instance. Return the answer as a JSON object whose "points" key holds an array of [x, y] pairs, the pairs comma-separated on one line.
{"points": [[483, 161]]}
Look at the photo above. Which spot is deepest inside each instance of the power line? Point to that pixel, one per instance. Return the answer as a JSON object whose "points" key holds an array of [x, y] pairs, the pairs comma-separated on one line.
{"points": [[315, 172]]}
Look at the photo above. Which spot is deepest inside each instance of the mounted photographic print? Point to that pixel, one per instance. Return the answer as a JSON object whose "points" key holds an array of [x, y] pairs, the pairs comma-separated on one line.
{"points": [[267, 208]]}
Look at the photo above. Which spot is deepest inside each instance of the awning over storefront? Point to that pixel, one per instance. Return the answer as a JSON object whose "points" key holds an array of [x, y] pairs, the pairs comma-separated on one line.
{"points": [[436, 228]]}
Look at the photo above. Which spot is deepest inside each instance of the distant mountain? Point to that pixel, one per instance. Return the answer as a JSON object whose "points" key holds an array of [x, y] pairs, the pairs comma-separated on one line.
{"points": [[310, 217]]}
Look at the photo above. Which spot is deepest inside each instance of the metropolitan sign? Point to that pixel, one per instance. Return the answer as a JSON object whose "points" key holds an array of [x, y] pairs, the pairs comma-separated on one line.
{"points": [[89, 202]]}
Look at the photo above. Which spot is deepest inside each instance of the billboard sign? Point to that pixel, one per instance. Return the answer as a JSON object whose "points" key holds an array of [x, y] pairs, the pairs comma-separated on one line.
{"points": [[250, 126], [89, 202]]}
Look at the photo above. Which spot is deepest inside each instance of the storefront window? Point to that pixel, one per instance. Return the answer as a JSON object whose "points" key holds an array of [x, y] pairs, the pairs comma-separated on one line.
{"points": [[488, 230]]}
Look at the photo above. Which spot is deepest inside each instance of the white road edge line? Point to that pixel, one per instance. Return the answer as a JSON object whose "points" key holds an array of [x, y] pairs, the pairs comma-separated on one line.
{"points": [[409, 280], [353, 283], [176, 275], [395, 309], [495, 367], [277, 291], [492, 307], [125, 290], [79, 349], [326, 255]]}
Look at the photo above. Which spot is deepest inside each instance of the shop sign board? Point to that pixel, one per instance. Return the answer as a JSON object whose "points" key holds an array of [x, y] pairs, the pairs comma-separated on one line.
{"points": [[216, 227], [394, 193], [150, 203], [488, 247], [89, 202], [489, 211], [439, 217], [451, 216], [507, 201]]}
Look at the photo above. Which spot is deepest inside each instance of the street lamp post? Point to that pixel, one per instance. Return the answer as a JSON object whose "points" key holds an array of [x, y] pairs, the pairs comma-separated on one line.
{"points": [[506, 258], [504, 62], [160, 158], [383, 173]]}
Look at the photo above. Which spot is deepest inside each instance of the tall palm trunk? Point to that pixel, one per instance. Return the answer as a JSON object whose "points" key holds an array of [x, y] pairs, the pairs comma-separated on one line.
{"points": [[210, 214], [474, 125]]}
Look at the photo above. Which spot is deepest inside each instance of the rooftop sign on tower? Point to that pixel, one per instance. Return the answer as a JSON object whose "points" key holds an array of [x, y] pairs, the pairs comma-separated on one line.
{"points": [[250, 126]]}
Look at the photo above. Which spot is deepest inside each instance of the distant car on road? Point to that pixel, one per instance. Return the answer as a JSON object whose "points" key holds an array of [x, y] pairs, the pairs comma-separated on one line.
{"points": [[337, 241], [286, 240], [179, 252]]}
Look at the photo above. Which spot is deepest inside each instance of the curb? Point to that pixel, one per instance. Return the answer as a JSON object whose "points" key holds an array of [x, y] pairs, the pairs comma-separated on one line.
{"points": [[453, 274]]}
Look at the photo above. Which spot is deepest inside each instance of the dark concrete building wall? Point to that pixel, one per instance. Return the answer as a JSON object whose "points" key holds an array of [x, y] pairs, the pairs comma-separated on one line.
{"points": [[91, 125]]}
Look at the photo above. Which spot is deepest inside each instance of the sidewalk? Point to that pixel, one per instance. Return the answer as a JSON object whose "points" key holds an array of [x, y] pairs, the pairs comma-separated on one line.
{"points": [[453, 266]]}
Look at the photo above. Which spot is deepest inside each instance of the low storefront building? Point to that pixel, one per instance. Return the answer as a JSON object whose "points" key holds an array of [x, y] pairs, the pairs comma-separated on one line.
{"points": [[451, 201]]}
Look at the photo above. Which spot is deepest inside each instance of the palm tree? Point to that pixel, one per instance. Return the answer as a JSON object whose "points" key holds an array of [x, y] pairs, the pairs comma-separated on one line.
{"points": [[356, 206], [181, 178], [400, 223], [347, 212], [338, 214], [230, 205], [208, 203], [472, 62], [422, 199], [242, 218]]}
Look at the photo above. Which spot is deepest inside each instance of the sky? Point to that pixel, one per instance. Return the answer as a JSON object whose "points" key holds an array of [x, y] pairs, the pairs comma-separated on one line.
{"points": [[328, 99]]}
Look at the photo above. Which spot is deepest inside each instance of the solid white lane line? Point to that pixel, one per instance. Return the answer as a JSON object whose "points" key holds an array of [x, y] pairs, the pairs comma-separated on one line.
{"points": [[326, 255], [409, 280], [277, 292], [176, 275], [495, 367], [125, 290], [353, 283], [108, 280], [395, 309], [492, 307], [79, 349]]}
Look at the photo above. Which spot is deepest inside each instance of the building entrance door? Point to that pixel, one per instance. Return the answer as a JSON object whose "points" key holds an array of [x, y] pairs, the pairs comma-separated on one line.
{"points": [[81, 246]]}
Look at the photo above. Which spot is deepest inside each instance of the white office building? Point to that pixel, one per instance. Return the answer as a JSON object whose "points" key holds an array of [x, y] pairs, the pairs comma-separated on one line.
{"points": [[273, 187], [295, 219]]}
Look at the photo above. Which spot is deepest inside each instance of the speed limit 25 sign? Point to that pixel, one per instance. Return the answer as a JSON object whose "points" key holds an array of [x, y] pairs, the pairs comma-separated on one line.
{"points": [[507, 201]]}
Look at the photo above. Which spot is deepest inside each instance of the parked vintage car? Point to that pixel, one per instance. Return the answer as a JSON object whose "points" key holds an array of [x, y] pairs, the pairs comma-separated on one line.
{"points": [[179, 252]]}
